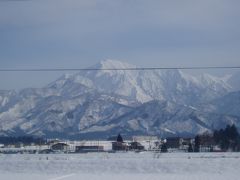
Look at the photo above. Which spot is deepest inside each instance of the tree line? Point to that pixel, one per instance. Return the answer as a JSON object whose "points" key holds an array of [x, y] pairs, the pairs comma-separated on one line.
{"points": [[26, 140], [227, 139]]}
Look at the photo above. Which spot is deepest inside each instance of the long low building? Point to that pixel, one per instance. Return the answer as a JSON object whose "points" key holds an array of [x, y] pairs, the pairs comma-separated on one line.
{"points": [[56, 146], [97, 145]]}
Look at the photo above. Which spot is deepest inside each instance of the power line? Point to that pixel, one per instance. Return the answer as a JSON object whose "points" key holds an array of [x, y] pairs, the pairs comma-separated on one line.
{"points": [[117, 69]]}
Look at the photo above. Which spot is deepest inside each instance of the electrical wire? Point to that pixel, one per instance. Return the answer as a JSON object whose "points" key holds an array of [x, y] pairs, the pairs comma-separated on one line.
{"points": [[117, 69]]}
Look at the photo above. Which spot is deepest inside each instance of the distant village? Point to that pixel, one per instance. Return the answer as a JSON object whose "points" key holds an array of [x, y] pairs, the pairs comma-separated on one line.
{"points": [[223, 140]]}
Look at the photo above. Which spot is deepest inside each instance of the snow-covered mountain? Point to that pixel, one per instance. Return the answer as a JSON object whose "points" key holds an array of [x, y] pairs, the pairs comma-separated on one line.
{"points": [[107, 101], [146, 85]]}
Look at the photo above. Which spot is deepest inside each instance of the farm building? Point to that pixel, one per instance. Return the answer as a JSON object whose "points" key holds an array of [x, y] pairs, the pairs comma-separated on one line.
{"points": [[119, 145], [64, 147]]}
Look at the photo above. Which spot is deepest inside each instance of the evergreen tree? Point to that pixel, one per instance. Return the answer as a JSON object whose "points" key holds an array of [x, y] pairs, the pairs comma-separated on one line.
{"points": [[164, 148], [190, 147], [233, 133], [233, 137], [197, 144], [119, 138]]}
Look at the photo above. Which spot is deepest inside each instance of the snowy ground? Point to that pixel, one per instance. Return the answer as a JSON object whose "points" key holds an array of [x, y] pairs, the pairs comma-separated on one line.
{"points": [[135, 166]]}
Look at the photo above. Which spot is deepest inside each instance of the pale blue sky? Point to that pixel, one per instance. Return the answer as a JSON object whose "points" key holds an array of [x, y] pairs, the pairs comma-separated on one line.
{"points": [[79, 33]]}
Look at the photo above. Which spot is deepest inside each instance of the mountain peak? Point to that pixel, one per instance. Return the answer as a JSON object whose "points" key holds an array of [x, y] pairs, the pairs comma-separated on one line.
{"points": [[113, 64]]}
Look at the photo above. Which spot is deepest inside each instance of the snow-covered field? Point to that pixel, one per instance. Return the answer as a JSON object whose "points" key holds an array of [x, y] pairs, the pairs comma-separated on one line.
{"points": [[135, 166]]}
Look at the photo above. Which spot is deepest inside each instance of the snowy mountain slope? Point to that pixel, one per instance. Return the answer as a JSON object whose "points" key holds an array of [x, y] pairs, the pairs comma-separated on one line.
{"points": [[179, 87], [163, 118], [64, 115], [20, 103], [119, 82], [6, 99], [71, 85], [234, 81], [228, 104]]}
